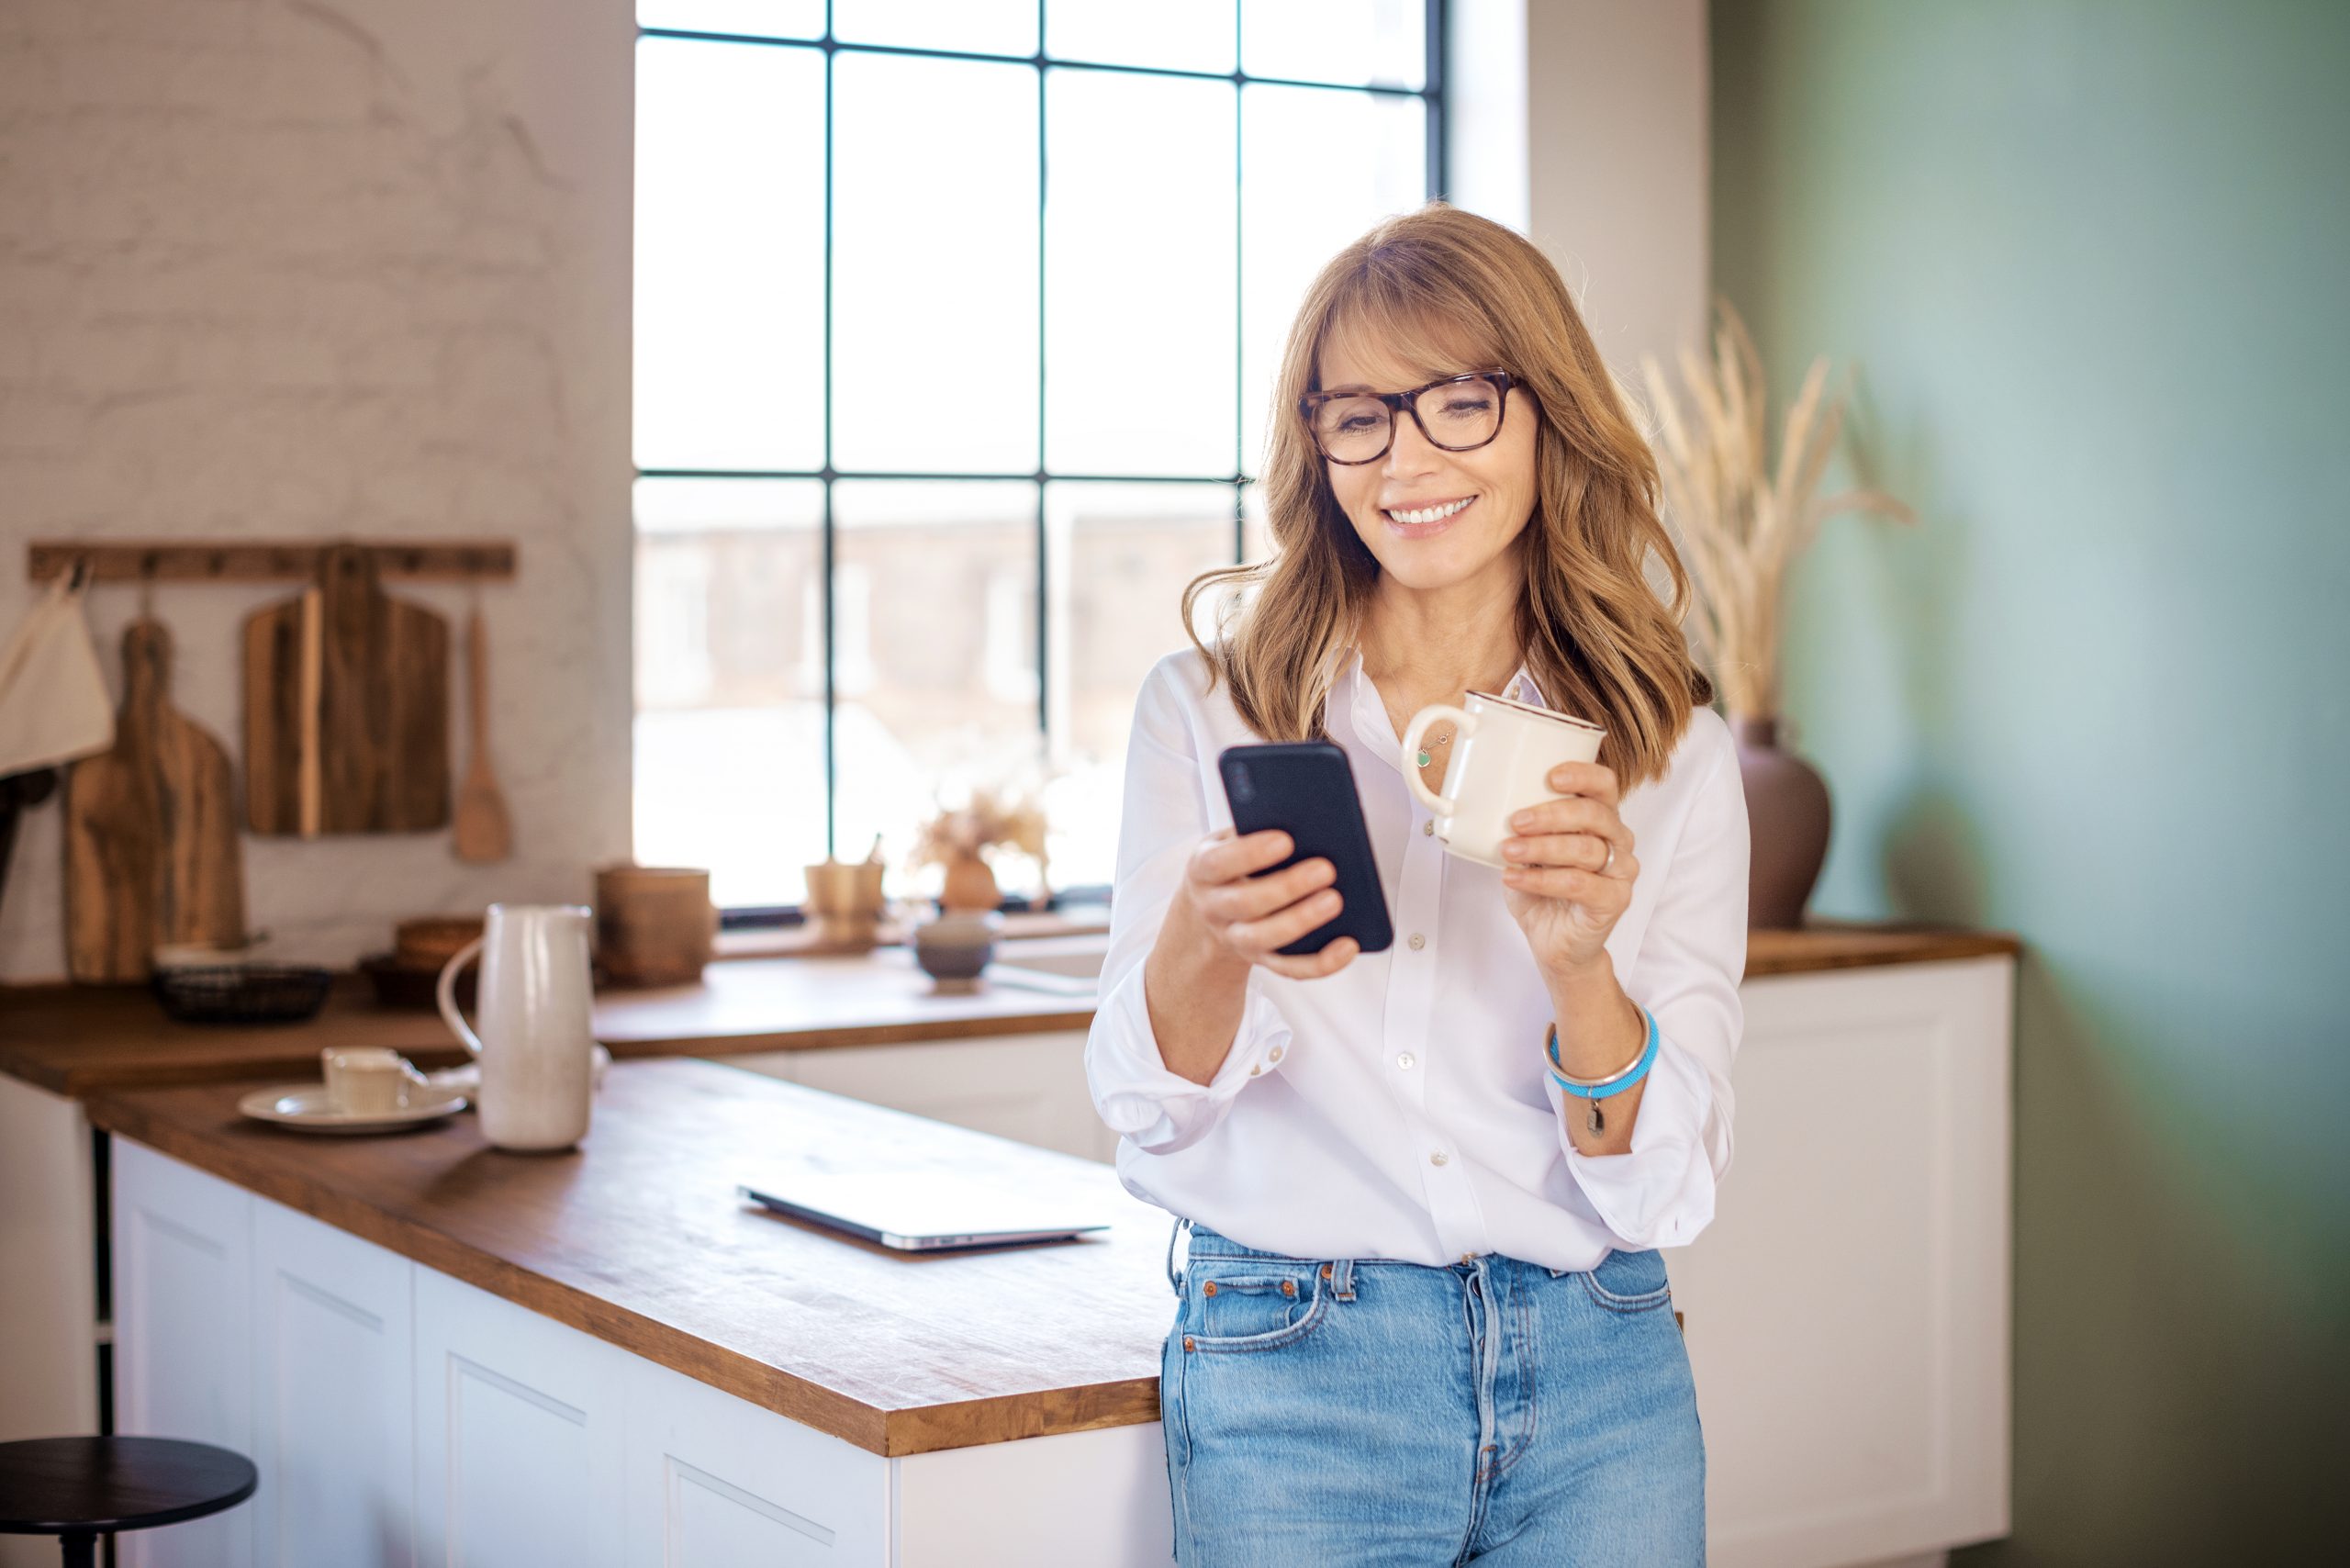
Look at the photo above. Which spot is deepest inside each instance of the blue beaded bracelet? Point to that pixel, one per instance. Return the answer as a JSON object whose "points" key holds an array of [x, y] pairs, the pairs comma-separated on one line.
{"points": [[1605, 1087]]}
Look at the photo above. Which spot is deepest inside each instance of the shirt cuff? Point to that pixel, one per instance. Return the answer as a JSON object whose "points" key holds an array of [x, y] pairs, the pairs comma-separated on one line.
{"points": [[1157, 1110], [1660, 1192]]}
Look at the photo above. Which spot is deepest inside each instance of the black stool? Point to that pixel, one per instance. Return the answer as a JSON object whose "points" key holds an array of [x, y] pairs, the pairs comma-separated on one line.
{"points": [[80, 1488]]}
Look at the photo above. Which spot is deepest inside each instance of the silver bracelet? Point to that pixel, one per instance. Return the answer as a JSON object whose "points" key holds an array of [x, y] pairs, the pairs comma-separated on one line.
{"points": [[1550, 1049]]}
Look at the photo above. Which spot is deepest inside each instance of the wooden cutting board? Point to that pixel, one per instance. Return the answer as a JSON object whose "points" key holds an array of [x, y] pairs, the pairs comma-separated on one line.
{"points": [[346, 709], [151, 854]]}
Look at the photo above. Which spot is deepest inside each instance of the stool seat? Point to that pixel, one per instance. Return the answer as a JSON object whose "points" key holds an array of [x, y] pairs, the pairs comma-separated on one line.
{"points": [[89, 1486]]}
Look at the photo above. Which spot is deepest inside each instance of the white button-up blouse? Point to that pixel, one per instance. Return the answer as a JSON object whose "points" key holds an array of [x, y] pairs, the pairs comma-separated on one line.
{"points": [[1401, 1108]]}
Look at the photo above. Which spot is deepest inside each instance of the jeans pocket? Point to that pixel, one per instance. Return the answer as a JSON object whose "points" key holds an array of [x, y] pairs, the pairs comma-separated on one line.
{"points": [[1250, 1304], [1629, 1281]]}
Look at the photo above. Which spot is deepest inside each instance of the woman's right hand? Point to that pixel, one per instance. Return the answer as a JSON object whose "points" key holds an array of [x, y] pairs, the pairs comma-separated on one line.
{"points": [[1249, 918]]}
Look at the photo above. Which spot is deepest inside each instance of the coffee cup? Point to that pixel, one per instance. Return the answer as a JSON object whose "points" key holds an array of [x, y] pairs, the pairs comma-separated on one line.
{"points": [[1502, 754], [369, 1080]]}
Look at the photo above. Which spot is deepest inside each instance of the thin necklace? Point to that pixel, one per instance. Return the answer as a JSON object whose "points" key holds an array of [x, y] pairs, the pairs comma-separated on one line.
{"points": [[1447, 738]]}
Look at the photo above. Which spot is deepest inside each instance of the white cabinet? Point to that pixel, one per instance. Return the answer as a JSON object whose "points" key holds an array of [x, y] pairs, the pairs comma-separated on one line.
{"points": [[333, 1358], [518, 1434], [400, 1418], [1029, 1087], [712, 1479], [183, 1334], [1847, 1311]]}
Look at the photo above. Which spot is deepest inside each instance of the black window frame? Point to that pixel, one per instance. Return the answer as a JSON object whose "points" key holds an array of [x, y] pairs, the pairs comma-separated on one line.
{"points": [[1431, 93]]}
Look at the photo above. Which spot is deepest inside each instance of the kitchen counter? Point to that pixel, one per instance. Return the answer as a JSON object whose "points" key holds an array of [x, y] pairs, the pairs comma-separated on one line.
{"points": [[75, 1041], [639, 1240]]}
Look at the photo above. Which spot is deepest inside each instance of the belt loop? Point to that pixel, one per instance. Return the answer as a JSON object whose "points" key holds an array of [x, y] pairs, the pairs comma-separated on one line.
{"points": [[1175, 1277], [1342, 1278]]}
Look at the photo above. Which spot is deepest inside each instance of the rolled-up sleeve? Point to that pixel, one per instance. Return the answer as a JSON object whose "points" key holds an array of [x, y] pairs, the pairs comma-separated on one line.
{"points": [[1692, 957], [1168, 810]]}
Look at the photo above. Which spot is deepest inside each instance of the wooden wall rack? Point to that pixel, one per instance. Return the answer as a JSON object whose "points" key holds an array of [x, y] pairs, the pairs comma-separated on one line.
{"points": [[275, 560]]}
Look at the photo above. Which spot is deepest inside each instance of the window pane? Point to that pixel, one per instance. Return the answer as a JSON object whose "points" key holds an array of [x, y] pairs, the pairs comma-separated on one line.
{"points": [[977, 26], [935, 651], [1256, 528], [1118, 557], [1320, 168], [755, 19], [934, 265], [1361, 43], [1198, 35], [730, 682], [729, 255], [1140, 260]]}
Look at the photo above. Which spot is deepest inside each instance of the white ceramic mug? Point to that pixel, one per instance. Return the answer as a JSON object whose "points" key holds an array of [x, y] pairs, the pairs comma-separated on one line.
{"points": [[1502, 755], [535, 1046], [369, 1080]]}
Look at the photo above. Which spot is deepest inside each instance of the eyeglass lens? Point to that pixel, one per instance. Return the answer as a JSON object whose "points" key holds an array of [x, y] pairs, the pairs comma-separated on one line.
{"points": [[1458, 415]]}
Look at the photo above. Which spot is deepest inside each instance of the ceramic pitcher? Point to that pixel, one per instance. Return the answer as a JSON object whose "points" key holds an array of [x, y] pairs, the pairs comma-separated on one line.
{"points": [[535, 1045]]}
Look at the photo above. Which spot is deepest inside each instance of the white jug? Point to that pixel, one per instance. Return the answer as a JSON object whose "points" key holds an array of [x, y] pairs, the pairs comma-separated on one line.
{"points": [[536, 1046]]}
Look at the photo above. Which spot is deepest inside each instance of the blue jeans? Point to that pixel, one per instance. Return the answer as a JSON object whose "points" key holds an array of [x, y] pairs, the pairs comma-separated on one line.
{"points": [[1368, 1412]]}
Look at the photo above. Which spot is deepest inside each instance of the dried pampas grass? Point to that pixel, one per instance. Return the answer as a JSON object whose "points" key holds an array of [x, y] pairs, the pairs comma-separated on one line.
{"points": [[1740, 523]]}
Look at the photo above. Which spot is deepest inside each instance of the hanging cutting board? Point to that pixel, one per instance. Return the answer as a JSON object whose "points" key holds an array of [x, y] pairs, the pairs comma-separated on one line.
{"points": [[346, 709], [151, 854]]}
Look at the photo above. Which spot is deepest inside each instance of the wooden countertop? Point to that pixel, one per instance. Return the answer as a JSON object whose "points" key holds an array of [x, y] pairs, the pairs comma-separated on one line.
{"points": [[638, 1239], [74, 1040]]}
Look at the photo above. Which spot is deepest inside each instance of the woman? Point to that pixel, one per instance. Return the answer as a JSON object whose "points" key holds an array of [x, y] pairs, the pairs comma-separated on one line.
{"points": [[1422, 1318]]}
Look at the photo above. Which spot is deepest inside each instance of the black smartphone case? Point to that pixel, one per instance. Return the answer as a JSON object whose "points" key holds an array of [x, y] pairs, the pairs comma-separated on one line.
{"points": [[1307, 788]]}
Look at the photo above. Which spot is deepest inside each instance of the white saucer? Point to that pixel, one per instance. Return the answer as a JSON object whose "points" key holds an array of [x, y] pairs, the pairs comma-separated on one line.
{"points": [[306, 1106]]}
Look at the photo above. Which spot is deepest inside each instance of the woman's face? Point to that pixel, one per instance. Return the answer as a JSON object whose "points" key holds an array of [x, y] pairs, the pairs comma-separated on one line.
{"points": [[1440, 543]]}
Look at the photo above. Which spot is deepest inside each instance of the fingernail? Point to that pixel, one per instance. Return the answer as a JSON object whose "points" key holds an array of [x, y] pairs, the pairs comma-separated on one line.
{"points": [[1513, 847], [1523, 821]]}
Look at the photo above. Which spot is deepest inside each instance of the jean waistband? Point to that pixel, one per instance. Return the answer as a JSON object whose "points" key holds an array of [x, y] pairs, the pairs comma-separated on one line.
{"points": [[1206, 1242]]}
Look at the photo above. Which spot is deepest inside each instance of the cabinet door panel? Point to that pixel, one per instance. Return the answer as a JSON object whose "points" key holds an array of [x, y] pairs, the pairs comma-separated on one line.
{"points": [[714, 1479], [182, 1315], [518, 1434], [1847, 1310], [334, 1396], [1029, 1088]]}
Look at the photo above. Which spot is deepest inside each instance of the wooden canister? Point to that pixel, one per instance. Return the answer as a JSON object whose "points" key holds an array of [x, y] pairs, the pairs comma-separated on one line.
{"points": [[655, 924], [846, 901]]}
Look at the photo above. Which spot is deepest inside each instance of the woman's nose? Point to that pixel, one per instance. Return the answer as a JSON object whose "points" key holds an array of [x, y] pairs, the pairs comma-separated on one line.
{"points": [[1410, 452]]}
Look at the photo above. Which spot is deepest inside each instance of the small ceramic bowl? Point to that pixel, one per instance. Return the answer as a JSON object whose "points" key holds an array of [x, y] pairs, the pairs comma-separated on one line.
{"points": [[953, 948]]}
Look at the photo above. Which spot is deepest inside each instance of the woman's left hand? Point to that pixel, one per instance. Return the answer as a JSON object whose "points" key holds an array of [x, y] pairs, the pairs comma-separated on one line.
{"points": [[1552, 886]]}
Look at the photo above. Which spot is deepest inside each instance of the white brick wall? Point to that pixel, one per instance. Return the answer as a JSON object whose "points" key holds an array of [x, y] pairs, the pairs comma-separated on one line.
{"points": [[281, 267]]}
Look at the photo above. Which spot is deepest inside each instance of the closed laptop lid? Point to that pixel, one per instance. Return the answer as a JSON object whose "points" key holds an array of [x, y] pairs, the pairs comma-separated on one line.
{"points": [[901, 1208]]}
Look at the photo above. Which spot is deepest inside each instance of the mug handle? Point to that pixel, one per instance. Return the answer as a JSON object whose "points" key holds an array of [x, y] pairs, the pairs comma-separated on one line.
{"points": [[1463, 723], [445, 993]]}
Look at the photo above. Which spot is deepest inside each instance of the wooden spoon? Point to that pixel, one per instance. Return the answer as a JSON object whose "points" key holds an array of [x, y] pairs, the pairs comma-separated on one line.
{"points": [[483, 831]]}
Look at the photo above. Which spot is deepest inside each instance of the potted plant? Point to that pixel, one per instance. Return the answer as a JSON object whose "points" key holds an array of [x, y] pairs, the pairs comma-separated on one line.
{"points": [[960, 838], [1743, 519]]}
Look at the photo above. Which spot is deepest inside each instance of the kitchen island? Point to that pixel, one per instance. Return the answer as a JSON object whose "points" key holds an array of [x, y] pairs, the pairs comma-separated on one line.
{"points": [[439, 1351], [1862, 1425]]}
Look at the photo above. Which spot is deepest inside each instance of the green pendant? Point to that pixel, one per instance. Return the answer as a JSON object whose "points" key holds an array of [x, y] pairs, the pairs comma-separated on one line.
{"points": [[1424, 759]]}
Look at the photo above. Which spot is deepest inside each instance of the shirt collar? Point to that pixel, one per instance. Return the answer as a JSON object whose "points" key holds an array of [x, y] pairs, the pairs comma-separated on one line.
{"points": [[1368, 715]]}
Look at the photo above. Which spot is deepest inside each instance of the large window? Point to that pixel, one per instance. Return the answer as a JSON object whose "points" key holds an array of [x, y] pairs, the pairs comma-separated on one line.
{"points": [[955, 326]]}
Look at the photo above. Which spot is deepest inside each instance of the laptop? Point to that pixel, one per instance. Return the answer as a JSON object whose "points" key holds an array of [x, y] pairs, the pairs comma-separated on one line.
{"points": [[913, 1211]]}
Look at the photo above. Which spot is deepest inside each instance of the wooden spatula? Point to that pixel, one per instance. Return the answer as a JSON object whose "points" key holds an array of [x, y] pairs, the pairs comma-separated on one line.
{"points": [[483, 831]]}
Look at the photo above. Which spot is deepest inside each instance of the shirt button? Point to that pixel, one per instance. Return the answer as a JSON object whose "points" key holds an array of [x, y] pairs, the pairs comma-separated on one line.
{"points": [[1427, 827], [1273, 1055], [1407, 1059], [1438, 1158], [1418, 941]]}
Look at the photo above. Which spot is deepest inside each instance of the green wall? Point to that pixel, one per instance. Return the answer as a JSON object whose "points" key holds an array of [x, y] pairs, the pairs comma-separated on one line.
{"points": [[2093, 264]]}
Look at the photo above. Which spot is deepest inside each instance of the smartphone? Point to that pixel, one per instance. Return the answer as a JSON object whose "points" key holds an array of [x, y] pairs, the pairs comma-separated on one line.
{"points": [[1307, 788]]}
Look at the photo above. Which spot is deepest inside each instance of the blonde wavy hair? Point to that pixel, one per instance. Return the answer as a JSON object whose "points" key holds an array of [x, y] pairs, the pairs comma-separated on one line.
{"points": [[1598, 641]]}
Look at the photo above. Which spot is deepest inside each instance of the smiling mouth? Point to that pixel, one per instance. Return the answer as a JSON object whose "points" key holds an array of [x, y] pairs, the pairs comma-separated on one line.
{"points": [[1421, 516]]}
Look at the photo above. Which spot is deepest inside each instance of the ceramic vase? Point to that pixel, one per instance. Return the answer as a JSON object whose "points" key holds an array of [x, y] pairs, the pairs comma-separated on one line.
{"points": [[1787, 819], [970, 885]]}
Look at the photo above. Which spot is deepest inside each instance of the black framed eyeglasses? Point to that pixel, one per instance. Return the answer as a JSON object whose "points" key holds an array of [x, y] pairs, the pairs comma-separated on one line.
{"points": [[1458, 413]]}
